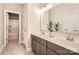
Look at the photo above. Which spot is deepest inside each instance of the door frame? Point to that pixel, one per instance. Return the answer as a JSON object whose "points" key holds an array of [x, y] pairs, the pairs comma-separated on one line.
{"points": [[6, 27]]}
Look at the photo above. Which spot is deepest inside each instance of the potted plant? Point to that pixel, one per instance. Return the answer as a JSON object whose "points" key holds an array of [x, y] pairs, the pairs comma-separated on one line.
{"points": [[53, 27], [57, 26], [50, 27]]}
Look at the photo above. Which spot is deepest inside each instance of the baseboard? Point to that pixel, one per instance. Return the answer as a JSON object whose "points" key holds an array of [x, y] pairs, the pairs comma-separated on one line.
{"points": [[1, 49], [28, 49]]}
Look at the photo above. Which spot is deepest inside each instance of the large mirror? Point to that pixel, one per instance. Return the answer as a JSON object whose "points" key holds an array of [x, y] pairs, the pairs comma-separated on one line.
{"points": [[44, 19], [67, 14]]}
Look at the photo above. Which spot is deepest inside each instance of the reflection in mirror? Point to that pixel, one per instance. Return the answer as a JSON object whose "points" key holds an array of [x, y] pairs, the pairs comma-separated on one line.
{"points": [[44, 16], [66, 13], [44, 19]]}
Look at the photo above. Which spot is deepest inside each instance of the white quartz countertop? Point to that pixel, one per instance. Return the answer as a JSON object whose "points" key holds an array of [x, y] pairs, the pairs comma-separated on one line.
{"points": [[71, 45]]}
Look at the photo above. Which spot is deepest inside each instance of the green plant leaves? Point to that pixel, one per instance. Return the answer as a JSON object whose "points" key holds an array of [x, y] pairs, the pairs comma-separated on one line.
{"points": [[50, 27], [54, 26]]}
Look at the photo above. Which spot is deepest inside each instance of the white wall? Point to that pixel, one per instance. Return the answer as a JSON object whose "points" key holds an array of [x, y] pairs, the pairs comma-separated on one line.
{"points": [[67, 14], [33, 21], [25, 25], [1, 25], [13, 6]]}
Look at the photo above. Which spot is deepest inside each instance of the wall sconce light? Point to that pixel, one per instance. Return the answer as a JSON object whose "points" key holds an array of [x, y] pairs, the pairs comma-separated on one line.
{"points": [[49, 6]]}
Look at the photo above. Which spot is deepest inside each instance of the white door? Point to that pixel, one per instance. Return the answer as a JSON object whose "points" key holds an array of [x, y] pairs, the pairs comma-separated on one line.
{"points": [[13, 29]]}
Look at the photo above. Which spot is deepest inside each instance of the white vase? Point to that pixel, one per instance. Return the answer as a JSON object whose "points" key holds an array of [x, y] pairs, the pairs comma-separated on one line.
{"points": [[50, 34]]}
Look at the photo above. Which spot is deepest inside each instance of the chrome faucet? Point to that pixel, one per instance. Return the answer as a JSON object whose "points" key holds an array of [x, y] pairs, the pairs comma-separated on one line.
{"points": [[70, 38]]}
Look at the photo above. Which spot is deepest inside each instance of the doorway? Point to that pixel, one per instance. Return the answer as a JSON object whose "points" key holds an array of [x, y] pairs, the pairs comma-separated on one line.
{"points": [[12, 26]]}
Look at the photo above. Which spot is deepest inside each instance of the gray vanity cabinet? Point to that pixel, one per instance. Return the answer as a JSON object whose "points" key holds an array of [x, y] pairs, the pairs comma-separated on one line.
{"points": [[59, 50], [43, 47], [38, 45]]}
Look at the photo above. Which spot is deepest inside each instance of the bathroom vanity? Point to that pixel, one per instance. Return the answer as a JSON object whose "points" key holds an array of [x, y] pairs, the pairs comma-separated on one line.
{"points": [[42, 46]]}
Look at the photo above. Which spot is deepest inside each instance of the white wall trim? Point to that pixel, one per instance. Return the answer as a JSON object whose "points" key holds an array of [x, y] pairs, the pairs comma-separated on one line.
{"points": [[1, 49]]}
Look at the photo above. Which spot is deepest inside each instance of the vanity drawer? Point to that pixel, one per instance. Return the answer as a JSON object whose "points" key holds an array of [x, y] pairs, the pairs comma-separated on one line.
{"points": [[35, 38], [60, 50], [40, 40], [54, 46]]}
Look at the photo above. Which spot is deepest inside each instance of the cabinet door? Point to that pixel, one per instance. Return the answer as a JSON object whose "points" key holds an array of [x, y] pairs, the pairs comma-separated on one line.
{"points": [[37, 48], [33, 45], [42, 49], [50, 52], [60, 50], [73, 53]]}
